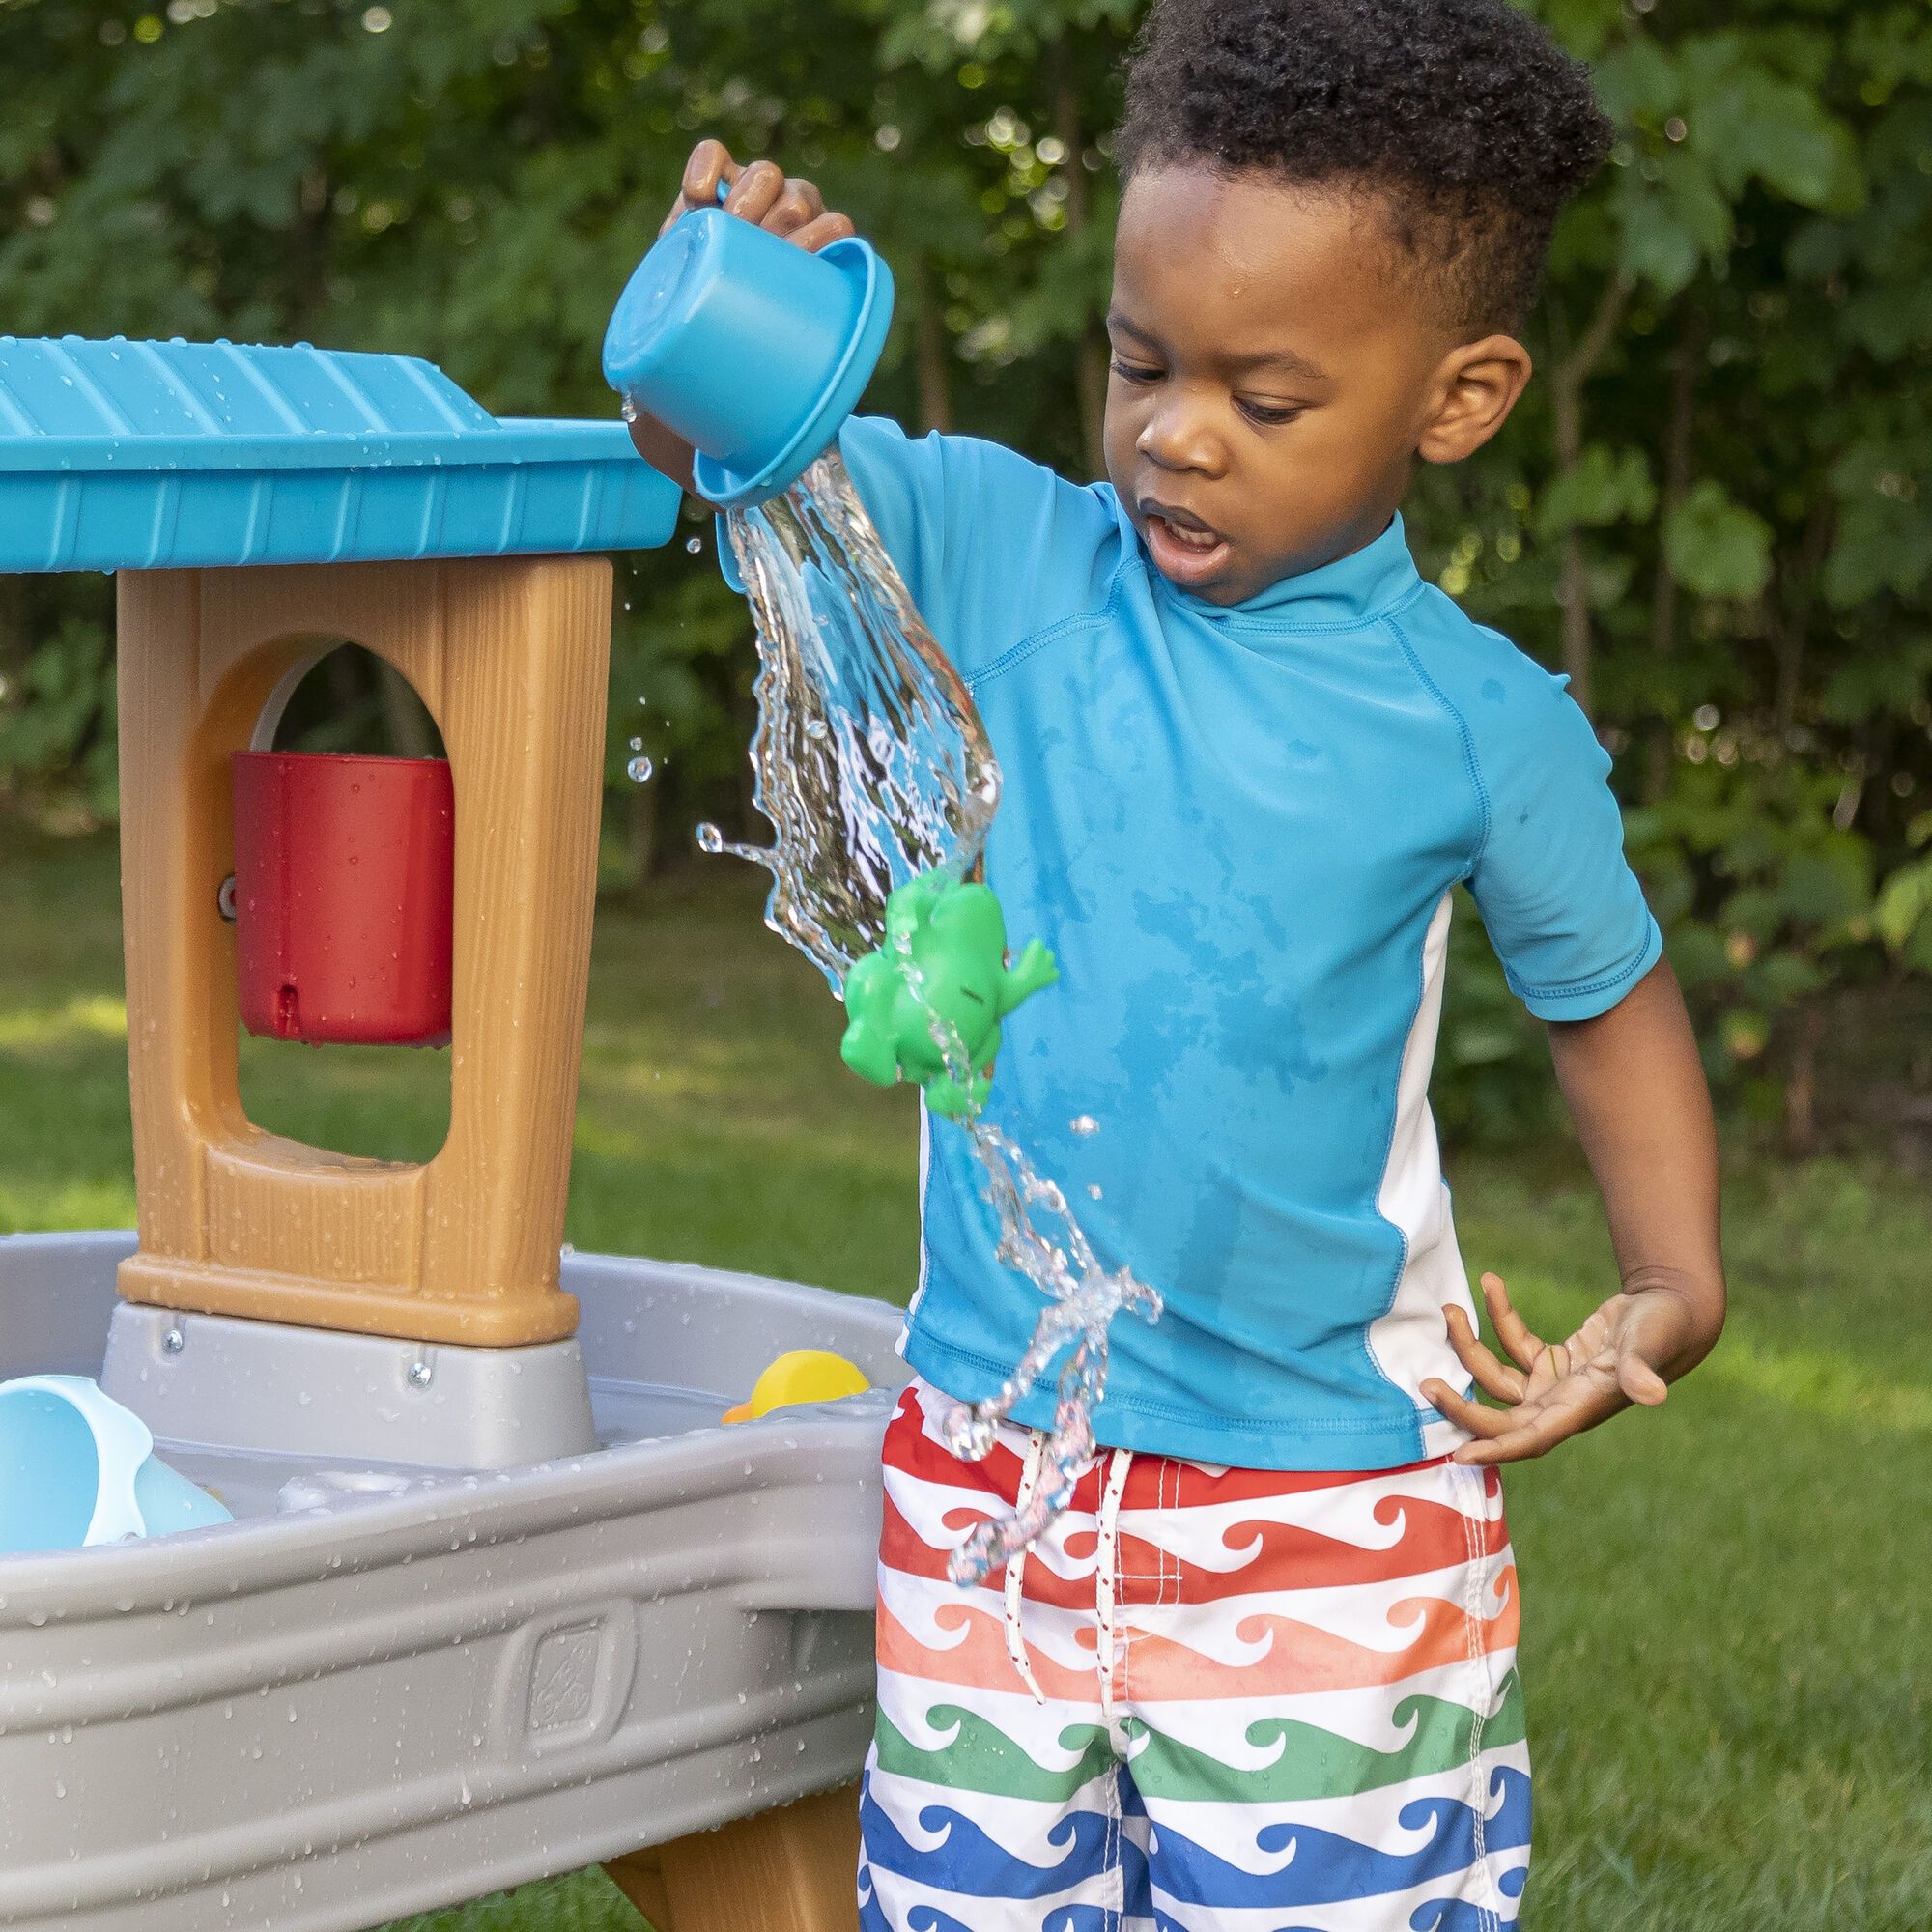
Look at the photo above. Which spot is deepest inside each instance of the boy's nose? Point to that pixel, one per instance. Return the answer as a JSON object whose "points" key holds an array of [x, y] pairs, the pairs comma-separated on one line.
{"points": [[1180, 439]]}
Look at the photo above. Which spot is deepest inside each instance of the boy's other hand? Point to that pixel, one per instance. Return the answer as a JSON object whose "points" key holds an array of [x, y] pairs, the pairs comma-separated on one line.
{"points": [[760, 192], [1553, 1390]]}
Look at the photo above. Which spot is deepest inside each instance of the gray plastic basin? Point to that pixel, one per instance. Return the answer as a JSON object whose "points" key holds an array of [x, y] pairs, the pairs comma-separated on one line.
{"points": [[427, 1685]]}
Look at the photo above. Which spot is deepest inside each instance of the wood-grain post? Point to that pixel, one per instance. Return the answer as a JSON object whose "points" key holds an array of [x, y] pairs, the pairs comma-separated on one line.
{"points": [[793, 1869], [511, 657]]}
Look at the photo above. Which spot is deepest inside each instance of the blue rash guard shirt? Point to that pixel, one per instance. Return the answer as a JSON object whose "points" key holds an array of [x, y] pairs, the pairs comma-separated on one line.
{"points": [[1239, 828]]}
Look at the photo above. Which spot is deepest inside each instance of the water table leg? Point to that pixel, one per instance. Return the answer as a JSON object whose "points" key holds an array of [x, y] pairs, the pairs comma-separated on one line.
{"points": [[794, 1869]]}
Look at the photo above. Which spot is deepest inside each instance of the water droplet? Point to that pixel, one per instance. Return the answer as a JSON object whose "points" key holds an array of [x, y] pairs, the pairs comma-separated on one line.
{"points": [[709, 838], [694, 545], [817, 729], [1084, 1125], [640, 769], [1094, 1190]]}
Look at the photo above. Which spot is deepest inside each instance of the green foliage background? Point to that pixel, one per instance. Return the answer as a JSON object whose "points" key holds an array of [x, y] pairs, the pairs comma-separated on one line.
{"points": [[1709, 511]]}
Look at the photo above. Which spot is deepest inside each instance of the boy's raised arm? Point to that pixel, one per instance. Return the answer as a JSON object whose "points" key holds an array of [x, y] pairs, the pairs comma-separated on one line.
{"points": [[1635, 1088]]}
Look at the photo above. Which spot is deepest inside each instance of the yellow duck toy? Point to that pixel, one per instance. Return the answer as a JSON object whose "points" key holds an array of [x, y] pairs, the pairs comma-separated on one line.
{"points": [[800, 1375]]}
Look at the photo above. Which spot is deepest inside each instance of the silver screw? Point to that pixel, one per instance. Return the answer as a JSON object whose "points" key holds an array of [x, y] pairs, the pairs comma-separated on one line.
{"points": [[420, 1373], [173, 1342]]}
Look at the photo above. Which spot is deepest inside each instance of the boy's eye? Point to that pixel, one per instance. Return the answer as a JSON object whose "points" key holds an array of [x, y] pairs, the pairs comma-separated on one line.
{"points": [[1268, 414], [1135, 372]]}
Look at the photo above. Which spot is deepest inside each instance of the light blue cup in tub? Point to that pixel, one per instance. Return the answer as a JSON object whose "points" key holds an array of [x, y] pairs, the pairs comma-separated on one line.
{"points": [[751, 348], [77, 1468]]}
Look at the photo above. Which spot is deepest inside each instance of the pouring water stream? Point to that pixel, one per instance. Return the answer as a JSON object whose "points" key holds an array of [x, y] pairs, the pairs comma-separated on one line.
{"points": [[872, 765]]}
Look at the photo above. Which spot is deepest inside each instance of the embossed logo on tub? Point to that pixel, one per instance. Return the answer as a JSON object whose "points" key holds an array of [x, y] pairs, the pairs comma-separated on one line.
{"points": [[563, 1679]]}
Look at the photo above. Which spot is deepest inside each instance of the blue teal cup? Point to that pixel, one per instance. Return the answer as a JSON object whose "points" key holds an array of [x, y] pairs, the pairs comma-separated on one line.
{"points": [[78, 1468], [751, 348]]}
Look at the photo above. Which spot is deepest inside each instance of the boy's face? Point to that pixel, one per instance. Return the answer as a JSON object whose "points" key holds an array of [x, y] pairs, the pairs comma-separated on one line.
{"points": [[1275, 376]]}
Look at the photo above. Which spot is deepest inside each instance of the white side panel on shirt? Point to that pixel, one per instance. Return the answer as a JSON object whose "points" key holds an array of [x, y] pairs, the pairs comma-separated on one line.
{"points": [[1410, 1343], [925, 1258]]}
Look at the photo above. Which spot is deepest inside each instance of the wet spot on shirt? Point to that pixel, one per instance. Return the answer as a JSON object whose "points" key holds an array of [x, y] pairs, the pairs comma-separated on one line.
{"points": [[1272, 1030], [1494, 691], [1264, 916], [1211, 1239], [1179, 919]]}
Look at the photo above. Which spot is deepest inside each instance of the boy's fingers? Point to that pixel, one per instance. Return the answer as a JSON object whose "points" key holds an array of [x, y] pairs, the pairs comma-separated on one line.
{"points": [[1519, 1344], [1538, 1426], [710, 163], [821, 230], [1520, 1445], [755, 191], [1466, 1414], [798, 202], [1640, 1381], [1517, 1444], [1495, 1378], [793, 208]]}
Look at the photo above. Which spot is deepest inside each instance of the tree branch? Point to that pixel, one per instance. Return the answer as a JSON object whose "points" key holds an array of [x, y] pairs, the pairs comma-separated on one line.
{"points": [[1576, 366]]}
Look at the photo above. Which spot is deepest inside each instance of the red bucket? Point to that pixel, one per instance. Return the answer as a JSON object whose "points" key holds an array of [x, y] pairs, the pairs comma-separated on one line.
{"points": [[344, 889]]}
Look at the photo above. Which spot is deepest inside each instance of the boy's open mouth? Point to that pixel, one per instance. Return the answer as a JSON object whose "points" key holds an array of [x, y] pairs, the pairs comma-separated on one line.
{"points": [[1186, 551]]}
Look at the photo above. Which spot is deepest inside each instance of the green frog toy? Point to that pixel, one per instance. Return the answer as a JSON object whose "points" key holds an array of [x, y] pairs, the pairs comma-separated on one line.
{"points": [[956, 935]]}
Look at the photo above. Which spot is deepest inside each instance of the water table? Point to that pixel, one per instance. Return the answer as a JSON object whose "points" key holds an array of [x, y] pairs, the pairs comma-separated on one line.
{"points": [[501, 1596]]}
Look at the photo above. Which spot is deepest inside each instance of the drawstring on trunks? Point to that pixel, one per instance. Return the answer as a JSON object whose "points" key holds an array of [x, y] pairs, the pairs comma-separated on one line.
{"points": [[1016, 1567], [1106, 1559]]}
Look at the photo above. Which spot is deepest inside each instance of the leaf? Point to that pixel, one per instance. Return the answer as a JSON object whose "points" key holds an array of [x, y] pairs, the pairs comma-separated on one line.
{"points": [[1746, 1034], [1605, 486], [1657, 248], [1696, 955], [1714, 547], [1904, 905], [1788, 976], [1754, 911], [1636, 80], [1827, 887]]}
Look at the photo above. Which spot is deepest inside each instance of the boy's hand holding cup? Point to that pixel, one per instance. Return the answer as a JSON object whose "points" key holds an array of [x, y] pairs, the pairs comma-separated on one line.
{"points": [[763, 194], [759, 192]]}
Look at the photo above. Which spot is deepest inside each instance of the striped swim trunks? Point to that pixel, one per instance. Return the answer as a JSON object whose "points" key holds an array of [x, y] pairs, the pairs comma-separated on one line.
{"points": [[1206, 1700]]}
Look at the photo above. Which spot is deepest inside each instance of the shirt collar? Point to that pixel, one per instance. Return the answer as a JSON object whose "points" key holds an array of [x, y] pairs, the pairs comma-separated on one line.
{"points": [[1353, 589]]}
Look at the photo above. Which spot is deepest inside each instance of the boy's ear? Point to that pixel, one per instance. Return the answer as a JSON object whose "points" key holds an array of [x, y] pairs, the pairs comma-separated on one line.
{"points": [[1475, 388]]}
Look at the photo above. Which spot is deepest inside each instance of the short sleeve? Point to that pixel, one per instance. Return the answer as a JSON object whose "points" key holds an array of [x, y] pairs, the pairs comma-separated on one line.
{"points": [[1561, 905], [991, 545]]}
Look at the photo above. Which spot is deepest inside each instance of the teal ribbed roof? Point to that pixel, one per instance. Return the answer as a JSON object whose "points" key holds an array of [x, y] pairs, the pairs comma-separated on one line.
{"points": [[140, 455]]}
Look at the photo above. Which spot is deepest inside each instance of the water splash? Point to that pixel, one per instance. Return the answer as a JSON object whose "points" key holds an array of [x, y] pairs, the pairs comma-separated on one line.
{"points": [[872, 764], [870, 758]]}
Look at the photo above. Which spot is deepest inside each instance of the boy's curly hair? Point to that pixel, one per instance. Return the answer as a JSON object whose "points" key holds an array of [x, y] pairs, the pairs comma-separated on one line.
{"points": [[1461, 117]]}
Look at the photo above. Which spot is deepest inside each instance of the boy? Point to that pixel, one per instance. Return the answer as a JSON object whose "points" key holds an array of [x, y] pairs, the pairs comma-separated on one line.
{"points": [[1261, 1675]]}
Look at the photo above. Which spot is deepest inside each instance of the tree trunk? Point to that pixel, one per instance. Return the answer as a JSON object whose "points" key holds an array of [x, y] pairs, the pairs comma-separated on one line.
{"points": [[12, 623], [308, 250], [1565, 401], [1676, 486], [931, 356], [1801, 1086], [1787, 625], [1090, 344]]}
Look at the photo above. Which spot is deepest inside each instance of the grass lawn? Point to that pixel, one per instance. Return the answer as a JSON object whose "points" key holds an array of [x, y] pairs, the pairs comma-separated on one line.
{"points": [[1726, 1642]]}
